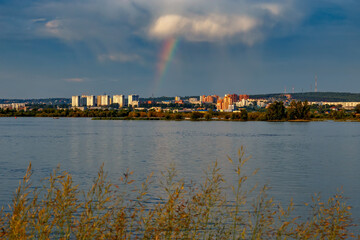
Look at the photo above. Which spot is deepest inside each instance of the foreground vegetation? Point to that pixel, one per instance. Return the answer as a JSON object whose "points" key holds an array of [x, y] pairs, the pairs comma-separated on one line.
{"points": [[184, 210]]}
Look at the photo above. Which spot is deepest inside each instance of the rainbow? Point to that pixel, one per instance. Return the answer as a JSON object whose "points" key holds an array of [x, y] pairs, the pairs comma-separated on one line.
{"points": [[165, 57]]}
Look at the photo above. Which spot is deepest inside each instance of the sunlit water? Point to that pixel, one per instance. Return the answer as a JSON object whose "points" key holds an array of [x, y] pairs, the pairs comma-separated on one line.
{"points": [[295, 159]]}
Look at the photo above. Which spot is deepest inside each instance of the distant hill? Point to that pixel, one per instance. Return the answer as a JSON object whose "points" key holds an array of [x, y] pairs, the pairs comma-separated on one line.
{"points": [[157, 99], [314, 96], [48, 101], [164, 98]]}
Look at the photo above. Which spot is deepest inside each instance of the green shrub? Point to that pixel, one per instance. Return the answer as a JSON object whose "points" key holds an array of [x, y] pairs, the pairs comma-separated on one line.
{"points": [[196, 115]]}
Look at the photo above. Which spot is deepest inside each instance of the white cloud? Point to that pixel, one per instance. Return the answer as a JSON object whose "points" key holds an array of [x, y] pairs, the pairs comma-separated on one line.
{"points": [[119, 57], [35, 20], [202, 28], [274, 9], [52, 24], [53, 27], [75, 80], [65, 29]]}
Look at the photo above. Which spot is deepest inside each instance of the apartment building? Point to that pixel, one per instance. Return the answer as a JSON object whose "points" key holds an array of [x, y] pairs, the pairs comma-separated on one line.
{"points": [[119, 99]]}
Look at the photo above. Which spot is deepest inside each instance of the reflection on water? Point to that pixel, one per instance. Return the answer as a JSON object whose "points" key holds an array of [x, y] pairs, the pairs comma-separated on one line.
{"points": [[296, 159]]}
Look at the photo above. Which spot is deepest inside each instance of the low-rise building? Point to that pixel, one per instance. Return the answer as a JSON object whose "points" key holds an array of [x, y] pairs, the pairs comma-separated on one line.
{"points": [[346, 105], [194, 101], [14, 106]]}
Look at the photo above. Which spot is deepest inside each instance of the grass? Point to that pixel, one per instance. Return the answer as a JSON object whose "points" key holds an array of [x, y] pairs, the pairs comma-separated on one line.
{"points": [[201, 210]]}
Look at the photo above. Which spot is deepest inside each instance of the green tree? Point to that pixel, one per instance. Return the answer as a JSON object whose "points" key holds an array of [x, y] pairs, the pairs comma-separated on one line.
{"points": [[306, 110], [134, 114], [292, 111], [357, 108], [340, 114], [275, 111], [298, 110], [244, 115], [178, 116], [196, 115], [235, 116], [167, 116], [208, 116]]}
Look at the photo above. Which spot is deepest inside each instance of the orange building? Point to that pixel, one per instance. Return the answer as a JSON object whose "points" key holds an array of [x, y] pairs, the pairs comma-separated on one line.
{"points": [[228, 100], [219, 104], [223, 104], [210, 98], [244, 96], [234, 97]]}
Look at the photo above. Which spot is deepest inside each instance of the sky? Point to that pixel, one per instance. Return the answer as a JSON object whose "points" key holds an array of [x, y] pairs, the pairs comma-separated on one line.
{"points": [[60, 48]]}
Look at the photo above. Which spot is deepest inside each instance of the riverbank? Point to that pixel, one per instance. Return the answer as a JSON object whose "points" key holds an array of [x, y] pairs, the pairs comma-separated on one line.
{"points": [[222, 120], [189, 119]]}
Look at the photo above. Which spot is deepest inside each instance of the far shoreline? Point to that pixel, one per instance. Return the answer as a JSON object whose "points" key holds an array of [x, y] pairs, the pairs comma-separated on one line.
{"points": [[188, 119], [219, 120]]}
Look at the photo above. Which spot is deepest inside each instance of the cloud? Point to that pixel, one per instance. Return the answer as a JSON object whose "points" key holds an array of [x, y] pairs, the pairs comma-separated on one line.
{"points": [[202, 28], [38, 20], [53, 27], [75, 80], [64, 29], [107, 26], [110, 23], [274, 9], [119, 57], [54, 24]]}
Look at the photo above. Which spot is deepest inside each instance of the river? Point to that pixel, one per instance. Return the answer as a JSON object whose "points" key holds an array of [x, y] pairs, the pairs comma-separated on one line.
{"points": [[296, 159]]}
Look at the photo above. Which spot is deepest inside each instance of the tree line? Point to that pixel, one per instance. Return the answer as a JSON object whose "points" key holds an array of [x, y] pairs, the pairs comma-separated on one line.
{"points": [[296, 111]]}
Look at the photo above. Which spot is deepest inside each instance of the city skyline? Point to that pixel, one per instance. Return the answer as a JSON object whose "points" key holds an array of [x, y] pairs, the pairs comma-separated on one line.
{"points": [[169, 48]]}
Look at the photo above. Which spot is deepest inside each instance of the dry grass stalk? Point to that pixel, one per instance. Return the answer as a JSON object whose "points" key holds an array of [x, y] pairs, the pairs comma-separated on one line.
{"points": [[185, 210]]}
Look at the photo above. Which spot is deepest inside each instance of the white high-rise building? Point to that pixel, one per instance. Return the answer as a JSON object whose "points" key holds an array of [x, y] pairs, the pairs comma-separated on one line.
{"points": [[76, 101], [120, 99], [103, 100], [201, 99], [83, 101], [89, 100], [133, 99]]}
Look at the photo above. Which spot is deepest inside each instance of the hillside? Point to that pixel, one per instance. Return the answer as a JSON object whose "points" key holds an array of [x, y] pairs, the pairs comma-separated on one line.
{"points": [[314, 96], [49, 101]]}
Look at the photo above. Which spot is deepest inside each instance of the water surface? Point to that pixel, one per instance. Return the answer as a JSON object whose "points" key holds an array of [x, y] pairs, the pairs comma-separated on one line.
{"points": [[295, 159]]}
